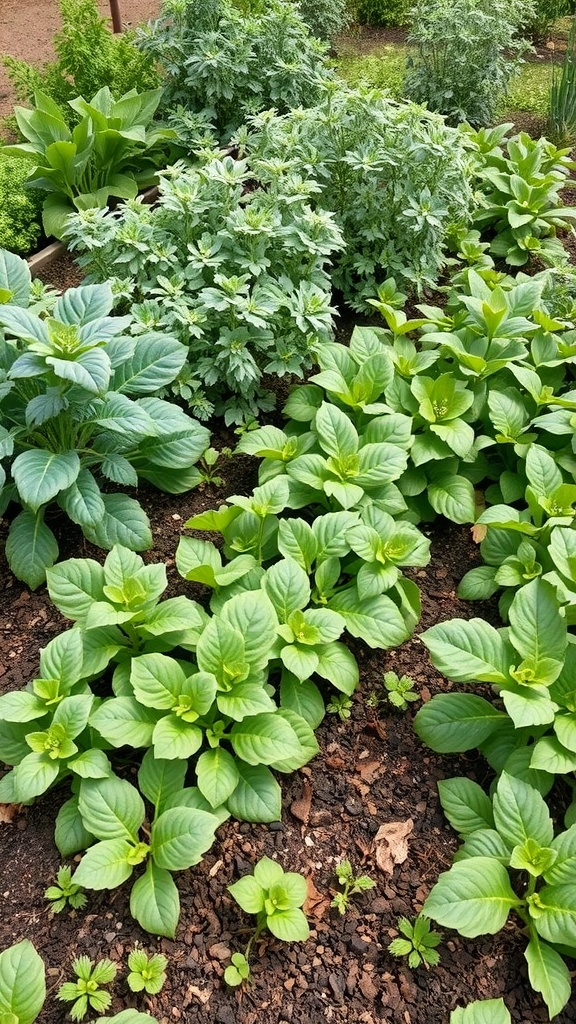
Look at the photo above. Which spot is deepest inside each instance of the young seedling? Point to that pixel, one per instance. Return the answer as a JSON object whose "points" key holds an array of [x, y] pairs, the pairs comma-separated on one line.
{"points": [[340, 705], [352, 885], [65, 893], [276, 897], [85, 993], [419, 944], [147, 973], [400, 690]]}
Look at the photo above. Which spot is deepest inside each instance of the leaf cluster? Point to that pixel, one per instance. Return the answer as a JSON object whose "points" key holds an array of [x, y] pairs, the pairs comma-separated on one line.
{"points": [[65, 893], [419, 944], [20, 208], [78, 405], [276, 897], [352, 885]]}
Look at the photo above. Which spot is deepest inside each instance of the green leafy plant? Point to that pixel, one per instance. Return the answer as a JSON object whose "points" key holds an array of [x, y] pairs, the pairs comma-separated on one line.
{"points": [[562, 101], [232, 63], [86, 992], [467, 51], [340, 705], [240, 277], [325, 18], [540, 20], [146, 973], [112, 151], [352, 885], [382, 12], [419, 944], [88, 57], [400, 690], [276, 897], [73, 401], [481, 1011], [65, 893], [512, 833], [20, 208], [22, 983]]}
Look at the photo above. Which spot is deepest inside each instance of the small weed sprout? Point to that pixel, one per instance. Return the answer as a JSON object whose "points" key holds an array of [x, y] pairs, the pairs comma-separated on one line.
{"points": [[276, 897], [400, 689], [340, 705], [147, 973], [65, 893], [351, 884], [85, 993], [419, 944]]}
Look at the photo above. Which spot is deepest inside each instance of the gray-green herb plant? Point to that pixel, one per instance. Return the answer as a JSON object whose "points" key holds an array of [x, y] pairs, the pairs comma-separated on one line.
{"points": [[114, 150], [351, 885], [146, 973], [512, 833], [239, 277], [233, 63], [467, 52], [77, 402], [325, 18], [65, 893], [276, 897], [419, 942], [86, 993]]}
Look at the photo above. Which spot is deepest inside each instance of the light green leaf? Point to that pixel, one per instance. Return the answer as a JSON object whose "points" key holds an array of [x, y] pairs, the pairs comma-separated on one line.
{"points": [[217, 775], [180, 836], [31, 548], [105, 865], [467, 650], [474, 897], [111, 808], [40, 475], [154, 901], [159, 779], [259, 738], [124, 522], [22, 982], [257, 796], [286, 584], [452, 496], [453, 722], [548, 975], [520, 813], [466, 805]]}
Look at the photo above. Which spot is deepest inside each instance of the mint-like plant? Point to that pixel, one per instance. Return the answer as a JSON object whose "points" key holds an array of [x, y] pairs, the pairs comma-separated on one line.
{"points": [[86, 993], [146, 973], [351, 885], [77, 402], [276, 897], [400, 690], [419, 942], [65, 893]]}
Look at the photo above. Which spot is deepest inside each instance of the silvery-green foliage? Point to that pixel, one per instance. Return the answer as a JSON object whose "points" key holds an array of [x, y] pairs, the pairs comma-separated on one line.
{"points": [[397, 178], [325, 18], [233, 63], [237, 275], [467, 52]]}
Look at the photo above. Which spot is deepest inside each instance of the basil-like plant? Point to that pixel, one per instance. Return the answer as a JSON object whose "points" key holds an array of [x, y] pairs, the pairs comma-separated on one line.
{"points": [[513, 832], [77, 401], [112, 151], [23, 985]]}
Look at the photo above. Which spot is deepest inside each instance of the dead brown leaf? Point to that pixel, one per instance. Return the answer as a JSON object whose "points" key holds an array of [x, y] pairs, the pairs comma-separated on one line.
{"points": [[370, 770], [317, 903], [391, 844], [7, 812], [301, 808], [478, 531]]}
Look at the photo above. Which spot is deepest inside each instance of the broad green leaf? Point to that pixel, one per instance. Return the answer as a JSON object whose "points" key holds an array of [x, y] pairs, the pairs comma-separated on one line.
{"points": [[562, 871], [257, 796], [62, 657], [82, 501], [537, 629], [336, 433], [175, 738], [289, 925], [180, 836], [453, 497], [548, 975], [75, 585], [452, 722], [259, 739], [70, 835], [377, 620], [158, 680], [33, 776], [31, 548], [553, 910], [474, 897], [478, 584], [286, 584], [249, 894], [154, 901], [105, 865], [301, 661], [550, 756], [40, 475], [111, 808], [303, 697], [520, 813], [124, 522], [253, 615], [484, 842], [466, 650], [308, 743], [542, 471], [124, 721], [15, 277], [22, 982], [92, 764], [156, 361], [337, 664], [466, 805], [217, 775], [481, 1011], [159, 779]]}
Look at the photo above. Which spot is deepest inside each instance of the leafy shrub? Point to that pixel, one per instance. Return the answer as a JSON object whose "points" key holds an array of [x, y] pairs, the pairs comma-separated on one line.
{"points": [[396, 178], [20, 208], [539, 22], [216, 58], [238, 276], [467, 51], [88, 57], [113, 151], [325, 18], [76, 397], [388, 13]]}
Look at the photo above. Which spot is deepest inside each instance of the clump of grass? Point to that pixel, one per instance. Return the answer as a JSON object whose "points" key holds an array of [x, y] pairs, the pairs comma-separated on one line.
{"points": [[530, 90], [383, 71]]}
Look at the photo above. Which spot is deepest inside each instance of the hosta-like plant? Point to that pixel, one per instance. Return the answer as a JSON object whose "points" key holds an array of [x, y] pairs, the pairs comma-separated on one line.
{"points": [[511, 861], [237, 274], [78, 405]]}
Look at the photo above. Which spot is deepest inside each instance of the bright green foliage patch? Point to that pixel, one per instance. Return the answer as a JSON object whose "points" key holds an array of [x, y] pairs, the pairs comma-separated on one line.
{"points": [[20, 208]]}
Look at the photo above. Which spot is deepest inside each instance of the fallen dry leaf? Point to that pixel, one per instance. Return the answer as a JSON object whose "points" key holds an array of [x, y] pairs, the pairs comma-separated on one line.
{"points": [[478, 531], [7, 812], [370, 770], [316, 903], [391, 844], [301, 808]]}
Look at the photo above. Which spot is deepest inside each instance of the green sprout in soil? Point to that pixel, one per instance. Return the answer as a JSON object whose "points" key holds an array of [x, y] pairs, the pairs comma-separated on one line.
{"points": [[85, 993], [147, 973], [419, 944], [351, 884], [340, 705], [400, 692], [65, 892]]}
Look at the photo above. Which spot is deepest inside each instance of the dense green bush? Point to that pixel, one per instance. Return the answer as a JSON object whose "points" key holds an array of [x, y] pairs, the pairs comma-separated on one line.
{"points": [[232, 64], [467, 52], [397, 179], [388, 13], [20, 208], [539, 23], [325, 18], [88, 57]]}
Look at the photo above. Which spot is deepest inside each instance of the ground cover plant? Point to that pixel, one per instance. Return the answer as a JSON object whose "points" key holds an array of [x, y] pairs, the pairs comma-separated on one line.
{"points": [[77, 399], [20, 208]]}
